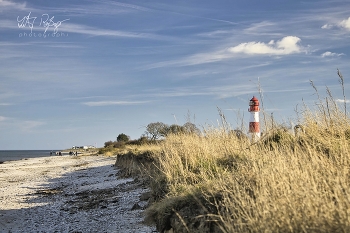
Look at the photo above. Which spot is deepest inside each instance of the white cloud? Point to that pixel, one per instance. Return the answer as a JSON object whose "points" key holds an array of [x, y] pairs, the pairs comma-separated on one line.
{"points": [[287, 45], [327, 26], [330, 54], [345, 24], [342, 101], [2, 118], [107, 103]]}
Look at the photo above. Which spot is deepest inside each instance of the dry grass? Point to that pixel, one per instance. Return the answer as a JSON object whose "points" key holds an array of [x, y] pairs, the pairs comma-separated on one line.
{"points": [[134, 149], [284, 183]]}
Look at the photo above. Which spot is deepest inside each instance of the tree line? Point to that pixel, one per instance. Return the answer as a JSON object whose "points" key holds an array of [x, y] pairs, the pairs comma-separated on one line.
{"points": [[155, 131]]}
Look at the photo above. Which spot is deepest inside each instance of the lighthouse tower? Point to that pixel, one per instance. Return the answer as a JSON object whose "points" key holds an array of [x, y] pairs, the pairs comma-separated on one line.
{"points": [[254, 125]]}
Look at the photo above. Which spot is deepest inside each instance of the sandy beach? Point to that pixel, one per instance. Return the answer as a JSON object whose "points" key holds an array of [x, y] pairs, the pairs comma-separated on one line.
{"points": [[69, 194]]}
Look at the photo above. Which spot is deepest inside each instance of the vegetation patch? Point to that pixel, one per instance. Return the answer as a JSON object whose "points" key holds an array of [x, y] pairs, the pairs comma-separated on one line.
{"points": [[294, 179]]}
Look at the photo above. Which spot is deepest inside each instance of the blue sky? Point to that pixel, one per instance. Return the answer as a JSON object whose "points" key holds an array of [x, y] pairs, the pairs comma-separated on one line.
{"points": [[82, 72]]}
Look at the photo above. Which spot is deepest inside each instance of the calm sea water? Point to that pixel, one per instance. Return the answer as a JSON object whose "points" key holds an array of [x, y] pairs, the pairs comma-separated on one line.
{"points": [[6, 155]]}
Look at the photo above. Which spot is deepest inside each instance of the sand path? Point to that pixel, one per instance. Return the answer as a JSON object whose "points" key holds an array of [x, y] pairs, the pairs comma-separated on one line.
{"points": [[69, 194]]}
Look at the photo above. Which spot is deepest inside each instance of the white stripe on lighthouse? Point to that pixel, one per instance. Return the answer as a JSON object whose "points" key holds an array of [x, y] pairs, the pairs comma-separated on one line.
{"points": [[254, 116]]}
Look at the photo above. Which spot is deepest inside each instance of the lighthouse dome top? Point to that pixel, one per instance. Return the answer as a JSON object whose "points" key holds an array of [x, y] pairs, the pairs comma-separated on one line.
{"points": [[254, 102]]}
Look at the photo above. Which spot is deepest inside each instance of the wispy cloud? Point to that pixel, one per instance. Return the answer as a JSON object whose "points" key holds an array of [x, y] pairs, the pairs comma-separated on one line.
{"points": [[67, 27], [201, 72], [330, 54], [20, 124], [121, 4], [92, 31], [8, 24], [178, 10], [216, 33], [263, 28], [259, 26], [228, 91], [224, 91], [212, 19], [191, 60], [84, 97], [108, 103], [11, 4], [287, 45], [29, 125], [179, 92], [100, 8], [96, 8], [126, 5]]}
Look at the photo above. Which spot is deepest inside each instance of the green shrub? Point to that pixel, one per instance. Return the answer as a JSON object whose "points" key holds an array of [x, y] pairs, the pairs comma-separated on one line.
{"points": [[123, 138]]}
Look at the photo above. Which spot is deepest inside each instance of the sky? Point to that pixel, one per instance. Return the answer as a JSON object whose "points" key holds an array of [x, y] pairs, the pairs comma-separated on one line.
{"points": [[83, 72]]}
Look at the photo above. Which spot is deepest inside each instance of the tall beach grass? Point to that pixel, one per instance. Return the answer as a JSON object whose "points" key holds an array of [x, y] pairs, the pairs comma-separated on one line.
{"points": [[287, 182]]}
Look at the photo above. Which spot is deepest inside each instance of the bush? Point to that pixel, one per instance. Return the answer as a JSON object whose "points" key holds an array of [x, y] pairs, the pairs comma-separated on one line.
{"points": [[123, 138], [108, 144], [120, 144]]}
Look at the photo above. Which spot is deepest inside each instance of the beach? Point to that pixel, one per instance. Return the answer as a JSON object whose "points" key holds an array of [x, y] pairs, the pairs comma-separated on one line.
{"points": [[69, 194]]}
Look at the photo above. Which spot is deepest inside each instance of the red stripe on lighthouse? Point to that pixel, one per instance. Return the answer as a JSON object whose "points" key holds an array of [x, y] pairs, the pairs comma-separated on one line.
{"points": [[254, 127]]}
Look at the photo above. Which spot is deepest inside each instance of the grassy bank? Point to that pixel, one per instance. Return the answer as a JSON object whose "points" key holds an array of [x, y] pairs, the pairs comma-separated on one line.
{"points": [[289, 181]]}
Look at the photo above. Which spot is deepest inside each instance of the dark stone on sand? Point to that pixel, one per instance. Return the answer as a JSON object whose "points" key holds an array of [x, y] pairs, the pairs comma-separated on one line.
{"points": [[145, 196], [136, 207]]}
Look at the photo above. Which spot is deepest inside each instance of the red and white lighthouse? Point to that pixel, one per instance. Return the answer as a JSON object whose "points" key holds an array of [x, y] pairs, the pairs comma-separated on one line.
{"points": [[254, 125]]}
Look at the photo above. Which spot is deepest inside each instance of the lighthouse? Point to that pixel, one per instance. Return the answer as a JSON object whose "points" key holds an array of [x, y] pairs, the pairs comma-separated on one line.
{"points": [[254, 125]]}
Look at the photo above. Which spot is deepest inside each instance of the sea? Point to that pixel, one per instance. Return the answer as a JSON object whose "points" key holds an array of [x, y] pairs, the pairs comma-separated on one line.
{"points": [[7, 155]]}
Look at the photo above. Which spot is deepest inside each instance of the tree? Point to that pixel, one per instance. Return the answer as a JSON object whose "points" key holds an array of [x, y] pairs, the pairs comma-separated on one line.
{"points": [[156, 130], [123, 138], [175, 129], [191, 128]]}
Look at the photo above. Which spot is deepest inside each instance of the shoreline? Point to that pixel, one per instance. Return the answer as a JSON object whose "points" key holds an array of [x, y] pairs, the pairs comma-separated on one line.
{"points": [[4, 157], [69, 193], [16, 155]]}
